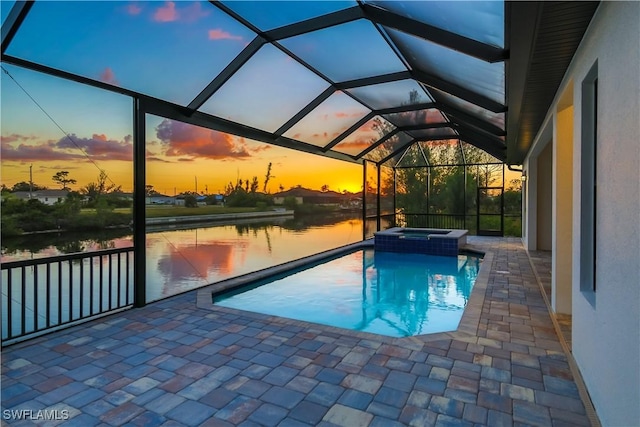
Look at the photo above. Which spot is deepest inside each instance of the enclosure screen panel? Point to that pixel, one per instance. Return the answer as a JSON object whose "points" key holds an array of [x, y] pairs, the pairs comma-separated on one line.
{"points": [[137, 46], [266, 92], [357, 47]]}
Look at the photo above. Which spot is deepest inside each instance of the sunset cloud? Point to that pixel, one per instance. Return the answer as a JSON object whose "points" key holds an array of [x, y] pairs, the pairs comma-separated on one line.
{"points": [[133, 9], [108, 76], [220, 34], [5, 139], [166, 13], [182, 139], [98, 147], [359, 144], [194, 12], [156, 159], [35, 153]]}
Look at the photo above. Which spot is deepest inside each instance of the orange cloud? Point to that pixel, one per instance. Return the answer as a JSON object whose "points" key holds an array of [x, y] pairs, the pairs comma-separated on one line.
{"points": [[220, 34], [358, 143], [166, 13], [108, 76]]}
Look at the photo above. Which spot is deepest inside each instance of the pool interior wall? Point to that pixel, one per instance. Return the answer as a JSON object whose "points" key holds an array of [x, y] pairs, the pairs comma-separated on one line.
{"points": [[467, 329], [392, 294]]}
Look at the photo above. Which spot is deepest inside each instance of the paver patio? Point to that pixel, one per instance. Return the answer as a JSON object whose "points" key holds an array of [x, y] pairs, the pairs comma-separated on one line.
{"points": [[172, 363]]}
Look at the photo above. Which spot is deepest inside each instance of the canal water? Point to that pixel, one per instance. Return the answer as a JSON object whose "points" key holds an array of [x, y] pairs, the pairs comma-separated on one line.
{"points": [[187, 257], [179, 258]]}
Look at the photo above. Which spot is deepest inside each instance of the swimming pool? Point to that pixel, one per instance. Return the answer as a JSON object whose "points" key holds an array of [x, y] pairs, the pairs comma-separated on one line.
{"points": [[393, 294]]}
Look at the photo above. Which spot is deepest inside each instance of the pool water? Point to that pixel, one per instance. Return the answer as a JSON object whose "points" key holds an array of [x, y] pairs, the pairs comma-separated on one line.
{"points": [[393, 294]]}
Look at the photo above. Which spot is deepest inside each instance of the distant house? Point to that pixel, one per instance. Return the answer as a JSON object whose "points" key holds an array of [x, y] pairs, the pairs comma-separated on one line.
{"points": [[218, 199], [160, 199], [306, 196], [48, 197], [123, 195]]}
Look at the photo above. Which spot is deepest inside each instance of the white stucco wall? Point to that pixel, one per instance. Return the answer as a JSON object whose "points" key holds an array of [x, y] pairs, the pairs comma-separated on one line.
{"points": [[606, 335], [544, 198]]}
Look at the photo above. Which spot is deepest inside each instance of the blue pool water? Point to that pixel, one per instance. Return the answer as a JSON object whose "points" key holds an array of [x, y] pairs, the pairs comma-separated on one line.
{"points": [[394, 294]]}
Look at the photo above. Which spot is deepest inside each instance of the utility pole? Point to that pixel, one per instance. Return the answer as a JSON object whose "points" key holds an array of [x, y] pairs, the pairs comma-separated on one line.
{"points": [[30, 180], [196, 185]]}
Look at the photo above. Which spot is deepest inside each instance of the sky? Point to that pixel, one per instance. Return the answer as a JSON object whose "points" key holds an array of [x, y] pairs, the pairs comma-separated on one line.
{"points": [[172, 50], [100, 123], [100, 128]]}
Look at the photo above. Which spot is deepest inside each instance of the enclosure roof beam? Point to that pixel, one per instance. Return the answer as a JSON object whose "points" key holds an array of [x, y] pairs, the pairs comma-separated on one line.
{"points": [[377, 143], [374, 80], [459, 91], [395, 152], [339, 17], [347, 132], [437, 35], [406, 108], [13, 21], [306, 110], [461, 116], [227, 73]]}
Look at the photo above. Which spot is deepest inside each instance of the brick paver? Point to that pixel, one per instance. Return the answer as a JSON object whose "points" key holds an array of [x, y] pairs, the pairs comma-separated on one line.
{"points": [[172, 363]]}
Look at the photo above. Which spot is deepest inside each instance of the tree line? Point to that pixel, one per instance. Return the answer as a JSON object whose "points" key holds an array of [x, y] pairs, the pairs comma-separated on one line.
{"points": [[20, 215]]}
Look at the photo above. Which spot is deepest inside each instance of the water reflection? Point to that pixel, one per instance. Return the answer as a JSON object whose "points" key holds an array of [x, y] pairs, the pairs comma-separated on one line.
{"points": [[179, 260], [43, 245], [386, 293], [184, 257]]}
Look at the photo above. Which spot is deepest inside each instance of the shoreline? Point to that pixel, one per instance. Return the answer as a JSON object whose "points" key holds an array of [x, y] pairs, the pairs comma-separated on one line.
{"points": [[171, 220], [216, 217]]}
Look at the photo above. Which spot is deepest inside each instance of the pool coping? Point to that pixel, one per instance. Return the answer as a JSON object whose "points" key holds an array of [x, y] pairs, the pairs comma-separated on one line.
{"points": [[467, 328]]}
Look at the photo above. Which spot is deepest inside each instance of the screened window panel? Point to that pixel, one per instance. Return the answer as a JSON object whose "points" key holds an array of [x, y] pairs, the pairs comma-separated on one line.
{"points": [[392, 94], [5, 8], [412, 157], [392, 162], [346, 52], [386, 195], [362, 138], [97, 125], [266, 92], [473, 154], [444, 152], [426, 134], [497, 119], [418, 117], [328, 120], [479, 20], [138, 46], [371, 187], [484, 78], [267, 15], [388, 147]]}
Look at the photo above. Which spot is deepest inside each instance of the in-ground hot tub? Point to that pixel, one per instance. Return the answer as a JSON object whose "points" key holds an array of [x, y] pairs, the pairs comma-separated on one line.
{"points": [[420, 240]]}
